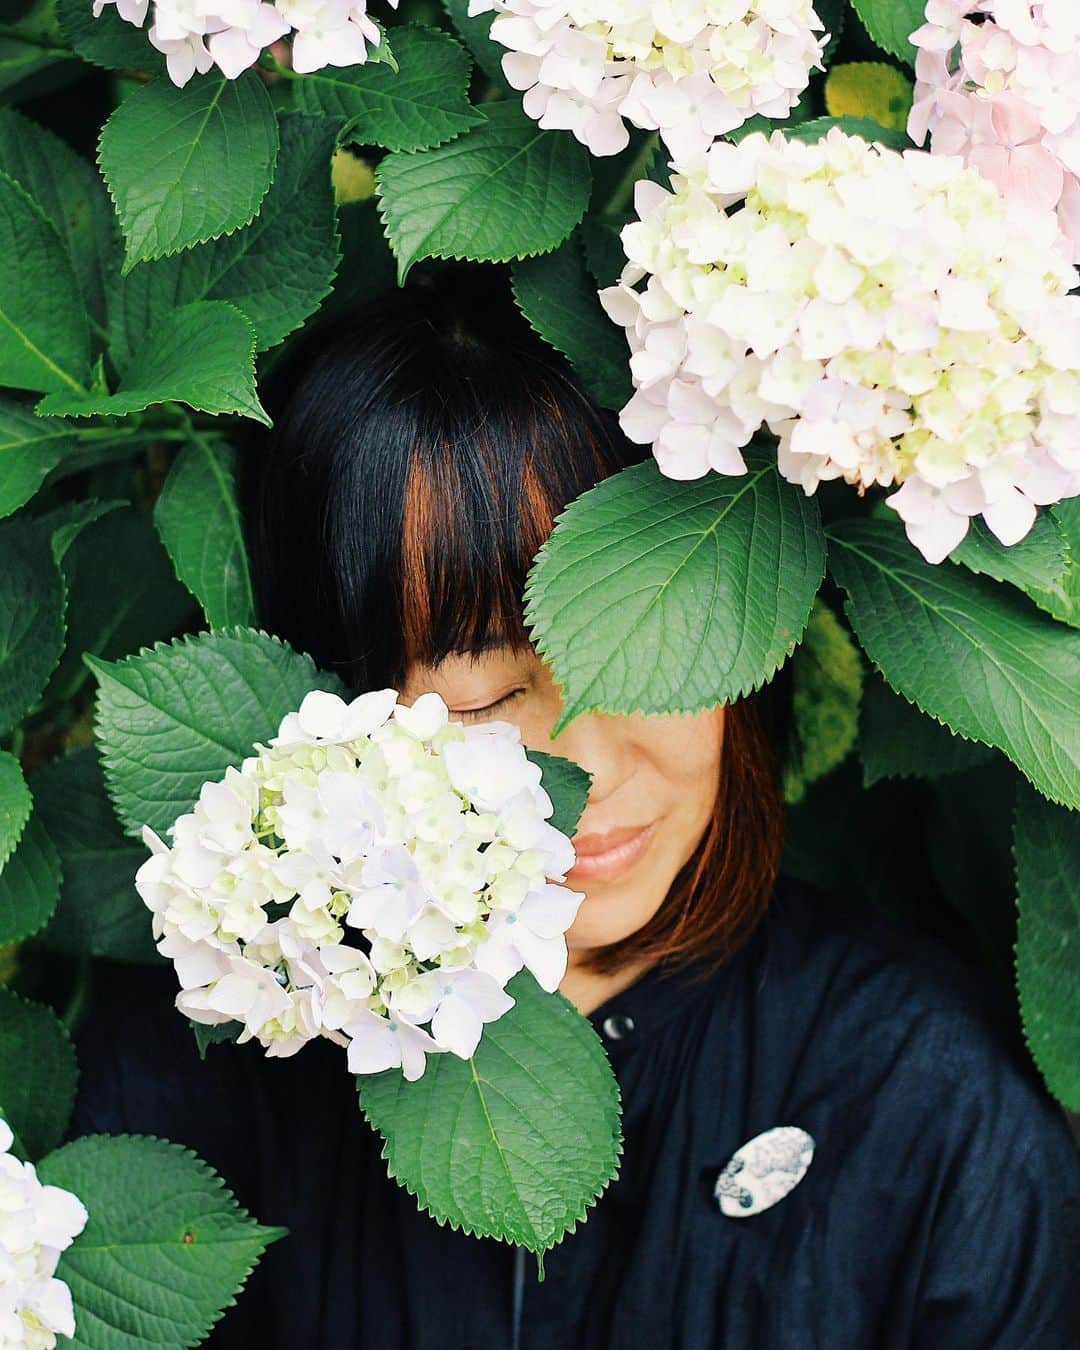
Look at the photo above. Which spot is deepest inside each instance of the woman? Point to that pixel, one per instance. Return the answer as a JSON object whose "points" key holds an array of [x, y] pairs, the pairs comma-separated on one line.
{"points": [[420, 453]]}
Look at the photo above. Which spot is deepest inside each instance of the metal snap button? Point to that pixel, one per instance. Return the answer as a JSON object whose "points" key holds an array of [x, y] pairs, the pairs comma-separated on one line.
{"points": [[617, 1027]]}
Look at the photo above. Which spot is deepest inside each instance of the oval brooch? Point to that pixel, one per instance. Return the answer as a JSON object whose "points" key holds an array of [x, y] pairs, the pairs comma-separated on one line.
{"points": [[764, 1170]]}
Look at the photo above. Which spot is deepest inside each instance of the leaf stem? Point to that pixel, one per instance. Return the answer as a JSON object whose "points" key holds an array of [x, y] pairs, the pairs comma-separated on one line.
{"points": [[623, 195], [79, 993]]}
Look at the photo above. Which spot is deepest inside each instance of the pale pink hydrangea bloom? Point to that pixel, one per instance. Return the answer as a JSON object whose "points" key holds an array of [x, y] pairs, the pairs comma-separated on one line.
{"points": [[692, 69], [889, 317], [1004, 92], [194, 35]]}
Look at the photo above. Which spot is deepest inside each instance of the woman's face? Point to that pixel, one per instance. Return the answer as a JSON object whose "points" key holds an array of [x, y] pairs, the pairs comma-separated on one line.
{"points": [[654, 781]]}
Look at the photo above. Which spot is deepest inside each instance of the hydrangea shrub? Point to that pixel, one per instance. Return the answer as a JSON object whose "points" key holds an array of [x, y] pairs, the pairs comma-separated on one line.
{"points": [[820, 258]]}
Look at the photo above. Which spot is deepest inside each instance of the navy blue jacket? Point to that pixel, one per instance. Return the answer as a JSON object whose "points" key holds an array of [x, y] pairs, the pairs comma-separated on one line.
{"points": [[939, 1211]]}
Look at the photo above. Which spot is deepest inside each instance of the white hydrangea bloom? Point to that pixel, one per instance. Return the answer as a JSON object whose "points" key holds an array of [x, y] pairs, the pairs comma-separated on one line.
{"points": [[692, 69], [998, 82], [194, 35], [37, 1223], [348, 879], [889, 317]]}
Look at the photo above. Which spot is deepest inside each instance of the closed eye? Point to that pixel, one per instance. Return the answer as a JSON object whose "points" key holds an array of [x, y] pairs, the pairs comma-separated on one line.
{"points": [[478, 714]]}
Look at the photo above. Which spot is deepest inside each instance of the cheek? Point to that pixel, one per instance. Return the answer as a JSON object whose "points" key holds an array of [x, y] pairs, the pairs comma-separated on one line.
{"points": [[675, 783]]}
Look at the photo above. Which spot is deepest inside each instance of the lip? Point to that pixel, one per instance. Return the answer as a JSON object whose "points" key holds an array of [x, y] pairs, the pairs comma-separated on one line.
{"points": [[602, 857]]}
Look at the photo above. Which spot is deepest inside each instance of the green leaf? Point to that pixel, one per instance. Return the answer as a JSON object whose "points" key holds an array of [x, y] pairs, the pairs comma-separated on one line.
{"points": [[425, 104], [659, 596], [970, 653], [891, 23], [30, 448], [277, 269], [20, 61], [108, 40], [567, 784], [475, 31], [65, 523], [176, 717], [1046, 848], [558, 297], [827, 679], [896, 740], [516, 1143], [818, 127], [29, 884], [100, 913], [122, 594], [38, 1072], [44, 341], [166, 1247], [73, 197], [869, 89], [1063, 599], [15, 804], [186, 165], [31, 617], [202, 354], [198, 518], [504, 189], [221, 1033], [1038, 562]]}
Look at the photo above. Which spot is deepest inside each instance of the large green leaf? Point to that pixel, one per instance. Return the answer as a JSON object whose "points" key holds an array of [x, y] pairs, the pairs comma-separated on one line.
{"points": [[277, 269], [71, 194], [44, 340], [816, 128], [504, 189], [896, 740], [425, 103], [122, 595], [1046, 849], [175, 717], [31, 617], [973, 654], [202, 354], [30, 448], [100, 913], [891, 22], [658, 596], [186, 165], [166, 1247], [567, 784], [29, 884], [15, 804], [1063, 599], [517, 1142], [38, 1072], [1038, 562], [107, 40], [198, 518], [558, 297]]}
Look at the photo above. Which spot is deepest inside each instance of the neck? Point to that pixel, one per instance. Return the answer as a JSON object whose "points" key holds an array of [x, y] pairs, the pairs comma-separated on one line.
{"points": [[586, 989]]}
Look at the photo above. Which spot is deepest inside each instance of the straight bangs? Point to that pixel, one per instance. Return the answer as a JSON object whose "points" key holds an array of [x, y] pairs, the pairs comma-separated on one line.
{"points": [[420, 453]]}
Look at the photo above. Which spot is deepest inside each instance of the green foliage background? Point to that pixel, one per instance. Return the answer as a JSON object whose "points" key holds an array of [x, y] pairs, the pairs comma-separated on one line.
{"points": [[144, 294]]}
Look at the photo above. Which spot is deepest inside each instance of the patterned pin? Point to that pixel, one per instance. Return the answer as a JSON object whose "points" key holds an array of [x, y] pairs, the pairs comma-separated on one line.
{"points": [[763, 1171]]}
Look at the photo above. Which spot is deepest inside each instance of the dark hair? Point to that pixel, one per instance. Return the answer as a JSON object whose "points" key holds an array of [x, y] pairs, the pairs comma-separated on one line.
{"points": [[422, 447]]}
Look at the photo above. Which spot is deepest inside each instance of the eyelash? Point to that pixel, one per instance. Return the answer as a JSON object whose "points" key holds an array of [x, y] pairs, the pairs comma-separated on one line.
{"points": [[470, 713]]}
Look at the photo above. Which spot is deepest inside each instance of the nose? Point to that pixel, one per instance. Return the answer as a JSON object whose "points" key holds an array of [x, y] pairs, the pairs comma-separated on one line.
{"points": [[602, 745]]}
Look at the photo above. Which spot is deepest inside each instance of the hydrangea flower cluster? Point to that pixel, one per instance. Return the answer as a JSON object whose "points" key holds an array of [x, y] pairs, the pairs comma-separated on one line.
{"points": [[889, 317], [693, 69], [998, 82], [37, 1222], [374, 868], [197, 34]]}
